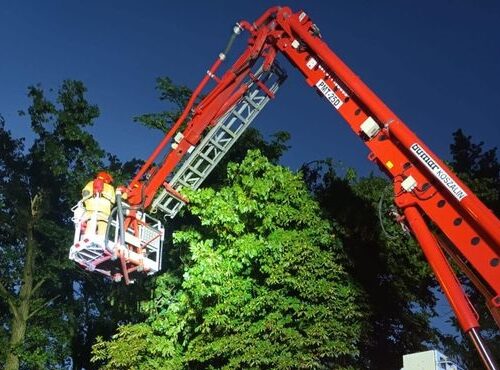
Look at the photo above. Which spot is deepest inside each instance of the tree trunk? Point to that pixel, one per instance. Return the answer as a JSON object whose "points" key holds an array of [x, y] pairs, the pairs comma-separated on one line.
{"points": [[20, 311], [18, 331]]}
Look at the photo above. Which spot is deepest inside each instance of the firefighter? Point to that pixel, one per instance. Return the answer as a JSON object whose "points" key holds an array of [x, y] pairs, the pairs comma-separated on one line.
{"points": [[98, 197]]}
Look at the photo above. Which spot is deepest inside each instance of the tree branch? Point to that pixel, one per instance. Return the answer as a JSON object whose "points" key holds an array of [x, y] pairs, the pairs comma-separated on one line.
{"points": [[5, 294], [33, 313], [38, 285]]}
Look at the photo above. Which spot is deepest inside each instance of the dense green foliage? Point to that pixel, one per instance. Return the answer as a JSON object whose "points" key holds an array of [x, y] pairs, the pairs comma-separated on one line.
{"points": [[263, 285], [478, 167], [398, 285], [175, 97], [480, 170], [38, 187], [50, 310], [383, 259]]}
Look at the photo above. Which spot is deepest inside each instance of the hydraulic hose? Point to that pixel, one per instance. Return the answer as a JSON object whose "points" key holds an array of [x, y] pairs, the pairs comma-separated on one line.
{"points": [[236, 31], [121, 222], [119, 209], [106, 235]]}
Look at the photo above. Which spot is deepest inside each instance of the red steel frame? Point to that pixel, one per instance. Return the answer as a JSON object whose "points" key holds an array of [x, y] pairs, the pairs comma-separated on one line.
{"points": [[468, 225]]}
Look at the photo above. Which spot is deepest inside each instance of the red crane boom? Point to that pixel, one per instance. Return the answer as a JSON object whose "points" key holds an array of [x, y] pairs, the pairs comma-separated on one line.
{"points": [[426, 191]]}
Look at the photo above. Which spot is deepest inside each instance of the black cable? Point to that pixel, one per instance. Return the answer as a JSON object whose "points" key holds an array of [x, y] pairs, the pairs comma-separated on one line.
{"points": [[380, 202], [106, 235], [421, 191]]}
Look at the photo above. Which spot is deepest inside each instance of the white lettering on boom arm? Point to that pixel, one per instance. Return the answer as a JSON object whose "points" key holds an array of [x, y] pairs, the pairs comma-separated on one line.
{"points": [[438, 172], [329, 94]]}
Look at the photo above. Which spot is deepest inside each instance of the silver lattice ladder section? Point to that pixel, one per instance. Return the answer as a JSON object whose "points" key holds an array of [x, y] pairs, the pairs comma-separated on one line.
{"points": [[195, 169]]}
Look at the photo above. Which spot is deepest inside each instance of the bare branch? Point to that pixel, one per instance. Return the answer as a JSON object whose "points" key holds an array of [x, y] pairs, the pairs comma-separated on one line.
{"points": [[35, 204], [33, 313]]}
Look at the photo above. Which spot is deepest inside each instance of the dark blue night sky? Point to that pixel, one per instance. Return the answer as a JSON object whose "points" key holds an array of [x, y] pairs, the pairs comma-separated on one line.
{"points": [[435, 63]]}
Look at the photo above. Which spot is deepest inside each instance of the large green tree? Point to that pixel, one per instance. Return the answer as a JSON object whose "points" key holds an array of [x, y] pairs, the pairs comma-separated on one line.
{"points": [[38, 187], [399, 287], [51, 310], [479, 168], [384, 260], [263, 286]]}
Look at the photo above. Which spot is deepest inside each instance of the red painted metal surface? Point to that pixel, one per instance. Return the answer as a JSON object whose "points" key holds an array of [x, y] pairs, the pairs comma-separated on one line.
{"points": [[471, 226], [466, 315]]}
